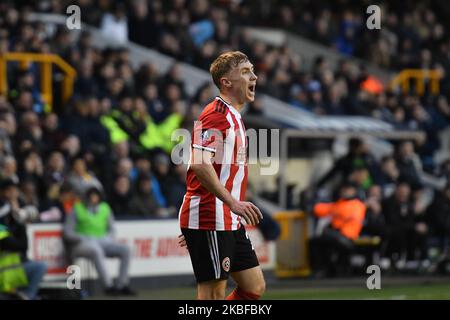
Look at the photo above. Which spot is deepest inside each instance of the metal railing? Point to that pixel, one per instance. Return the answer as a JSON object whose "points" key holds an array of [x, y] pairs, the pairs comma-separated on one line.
{"points": [[45, 61], [421, 77]]}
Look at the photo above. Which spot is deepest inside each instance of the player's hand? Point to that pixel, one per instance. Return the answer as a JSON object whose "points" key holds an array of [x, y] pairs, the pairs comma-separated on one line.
{"points": [[182, 241], [248, 211]]}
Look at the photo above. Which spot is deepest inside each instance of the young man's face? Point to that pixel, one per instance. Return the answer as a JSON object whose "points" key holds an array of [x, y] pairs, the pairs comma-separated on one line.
{"points": [[243, 82]]}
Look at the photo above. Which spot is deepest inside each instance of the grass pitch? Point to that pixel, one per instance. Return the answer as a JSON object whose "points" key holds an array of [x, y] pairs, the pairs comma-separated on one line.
{"points": [[426, 291]]}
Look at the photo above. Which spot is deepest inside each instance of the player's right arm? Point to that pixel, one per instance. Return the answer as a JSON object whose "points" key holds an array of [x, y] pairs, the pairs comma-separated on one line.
{"points": [[205, 173]]}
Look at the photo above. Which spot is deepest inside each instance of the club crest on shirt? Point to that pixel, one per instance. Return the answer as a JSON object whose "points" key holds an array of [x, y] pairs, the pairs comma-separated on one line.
{"points": [[206, 136]]}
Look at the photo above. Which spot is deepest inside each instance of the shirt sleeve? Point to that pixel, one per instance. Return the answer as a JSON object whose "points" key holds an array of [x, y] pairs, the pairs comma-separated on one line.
{"points": [[69, 229], [209, 132], [323, 209]]}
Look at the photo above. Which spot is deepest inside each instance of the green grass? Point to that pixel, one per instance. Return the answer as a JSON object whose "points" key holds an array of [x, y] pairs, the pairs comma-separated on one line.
{"points": [[404, 292], [426, 292]]}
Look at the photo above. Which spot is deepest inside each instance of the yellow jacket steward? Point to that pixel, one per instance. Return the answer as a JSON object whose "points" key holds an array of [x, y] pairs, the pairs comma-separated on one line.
{"points": [[12, 273], [154, 135]]}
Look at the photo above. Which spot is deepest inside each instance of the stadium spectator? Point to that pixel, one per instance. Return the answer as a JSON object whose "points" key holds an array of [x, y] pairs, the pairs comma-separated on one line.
{"points": [[29, 135], [121, 150], [90, 233], [374, 228], [32, 168], [142, 28], [52, 133], [15, 214], [7, 130], [120, 199], [128, 126], [388, 176], [374, 222], [178, 186], [70, 147], [357, 157], [28, 193], [59, 204], [23, 103], [406, 230], [9, 168], [168, 181], [87, 126], [142, 165], [438, 218], [360, 176], [80, 178], [12, 273], [63, 205], [132, 122], [54, 174], [408, 164], [114, 24], [444, 171], [86, 84], [143, 204], [330, 251], [124, 167], [155, 106]]}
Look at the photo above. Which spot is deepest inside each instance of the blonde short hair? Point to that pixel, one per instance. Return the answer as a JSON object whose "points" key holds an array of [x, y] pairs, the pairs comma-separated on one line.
{"points": [[225, 63]]}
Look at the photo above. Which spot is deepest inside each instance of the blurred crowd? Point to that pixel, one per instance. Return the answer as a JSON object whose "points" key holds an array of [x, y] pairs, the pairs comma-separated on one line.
{"points": [[405, 223], [114, 134], [412, 36]]}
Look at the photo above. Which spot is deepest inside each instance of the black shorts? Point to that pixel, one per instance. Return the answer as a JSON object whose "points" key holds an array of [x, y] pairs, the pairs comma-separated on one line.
{"points": [[214, 254]]}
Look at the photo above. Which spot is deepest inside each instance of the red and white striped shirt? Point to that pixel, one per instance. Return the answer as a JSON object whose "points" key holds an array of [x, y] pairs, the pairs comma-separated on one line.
{"points": [[219, 129]]}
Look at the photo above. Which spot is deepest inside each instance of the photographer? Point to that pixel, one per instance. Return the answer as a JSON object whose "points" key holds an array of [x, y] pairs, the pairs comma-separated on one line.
{"points": [[14, 216]]}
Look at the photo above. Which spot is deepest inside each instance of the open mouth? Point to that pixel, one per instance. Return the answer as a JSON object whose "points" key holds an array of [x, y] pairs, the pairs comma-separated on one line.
{"points": [[252, 88]]}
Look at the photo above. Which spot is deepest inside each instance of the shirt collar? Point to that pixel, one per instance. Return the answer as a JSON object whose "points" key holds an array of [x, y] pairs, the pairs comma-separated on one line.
{"points": [[233, 109]]}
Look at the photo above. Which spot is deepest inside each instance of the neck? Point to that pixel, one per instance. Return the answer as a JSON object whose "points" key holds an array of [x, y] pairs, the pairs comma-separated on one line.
{"points": [[231, 100]]}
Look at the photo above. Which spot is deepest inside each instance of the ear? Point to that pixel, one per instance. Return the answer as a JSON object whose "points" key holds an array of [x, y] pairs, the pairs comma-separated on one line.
{"points": [[225, 82]]}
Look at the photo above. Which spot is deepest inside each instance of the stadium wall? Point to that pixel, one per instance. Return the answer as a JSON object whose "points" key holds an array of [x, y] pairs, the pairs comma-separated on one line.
{"points": [[153, 244]]}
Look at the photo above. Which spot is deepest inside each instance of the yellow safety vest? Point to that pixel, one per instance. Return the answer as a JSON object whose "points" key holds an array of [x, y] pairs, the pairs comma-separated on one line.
{"points": [[154, 136], [12, 273]]}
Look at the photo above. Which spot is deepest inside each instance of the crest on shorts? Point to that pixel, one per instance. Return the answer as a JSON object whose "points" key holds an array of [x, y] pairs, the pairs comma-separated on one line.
{"points": [[226, 264]]}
